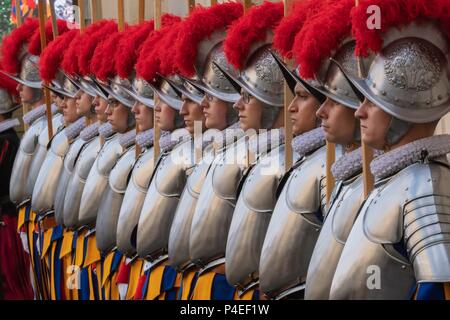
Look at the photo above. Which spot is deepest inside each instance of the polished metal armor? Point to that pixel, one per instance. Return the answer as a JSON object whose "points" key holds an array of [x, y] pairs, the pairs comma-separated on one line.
{"points": [[294, 227], [132, 203], [21, 171], [77, 180], [162, 198], [29, 72], [251, 218], [180, 230], [97, 180], [217, 200], [70, 160], [41, 152], [44, 191], [406, 211], [345, 203], [111, 201]]}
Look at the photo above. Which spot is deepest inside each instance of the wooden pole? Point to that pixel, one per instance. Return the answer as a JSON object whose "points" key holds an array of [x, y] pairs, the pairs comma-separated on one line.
{"points": [[42, 16], [213, 2], [94, 11], [247, 4], [191, 6], [53, 16], [250, 156], [121, 15], [82, 16], [18, 24], [288, 161], [367, 152], [157, 131], [141, 11], [331, 158]]}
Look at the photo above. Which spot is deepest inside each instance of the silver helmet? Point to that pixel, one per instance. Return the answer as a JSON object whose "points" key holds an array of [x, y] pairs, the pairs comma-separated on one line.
{"points": [[332, 81], [29, 72], [409, 78], [69, 88], [209, 78], [167, 92], [7, 102], [115, 90], [187, 89], [141, 91]]}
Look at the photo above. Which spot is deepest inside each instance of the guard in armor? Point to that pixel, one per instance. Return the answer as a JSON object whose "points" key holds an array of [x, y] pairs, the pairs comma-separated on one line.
{"points": [[259, 108], [15, 282], [21, 50], [398, 247], [205, 43]]}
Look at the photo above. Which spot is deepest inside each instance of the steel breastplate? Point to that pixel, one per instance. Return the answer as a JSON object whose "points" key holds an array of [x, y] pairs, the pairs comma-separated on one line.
{"points": [[111, 202], [216, 203], [132, 204], [181, 226], [162, 199], [44, 192], [335, 230], [396, 214], [41, 152], [97, 180], [251, 218], [23, 162], [70, 160], [77, 182], [294, 227]]}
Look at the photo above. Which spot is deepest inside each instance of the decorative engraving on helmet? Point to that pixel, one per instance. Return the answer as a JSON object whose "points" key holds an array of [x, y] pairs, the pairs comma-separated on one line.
{"points": [[413, 65], [219, 58], [143, 88], [267, 69], [29, 71], [347, 59]]}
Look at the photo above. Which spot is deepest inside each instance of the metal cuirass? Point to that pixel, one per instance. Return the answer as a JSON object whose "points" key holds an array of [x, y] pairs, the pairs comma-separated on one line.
{"points": [[400, 238], [216, 203], [44, 192], [162, 198], [23, 162], [97, 180], [77, 181], [294, 227], [70, 160], [251, 218], [111, 202], [132, 203], [347, 199], [180, 231], [41, 152]]}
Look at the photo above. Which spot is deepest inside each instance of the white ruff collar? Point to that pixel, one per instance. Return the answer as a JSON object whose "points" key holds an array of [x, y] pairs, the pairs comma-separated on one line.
{"points": [[90, 132], [394, 161], [308, 142], [106, 130], [36, 113], [144, 139], [74, 129], [127, 139], [8, 124]]}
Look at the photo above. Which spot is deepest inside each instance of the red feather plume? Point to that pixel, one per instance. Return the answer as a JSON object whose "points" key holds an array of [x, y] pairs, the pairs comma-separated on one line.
{"points": [[250, 28], [128, 47], [103, 63], [9, 85], [396, 14], [53, 55], [148, 62], [34, 46], [291, 25], [200, 25], [321, 35], [13, 44], [90, 40]]}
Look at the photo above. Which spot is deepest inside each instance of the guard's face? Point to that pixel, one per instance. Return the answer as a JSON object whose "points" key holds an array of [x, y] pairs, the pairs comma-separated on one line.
{"points": [[84, 103], [302, 111], [57, 100], [250, 111], [69, 109], [143, 115], [215, 111], [26, 93], [100, 105], [117, 115], [374, 124], [191, 113], [338, 122], [165, 116]]}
